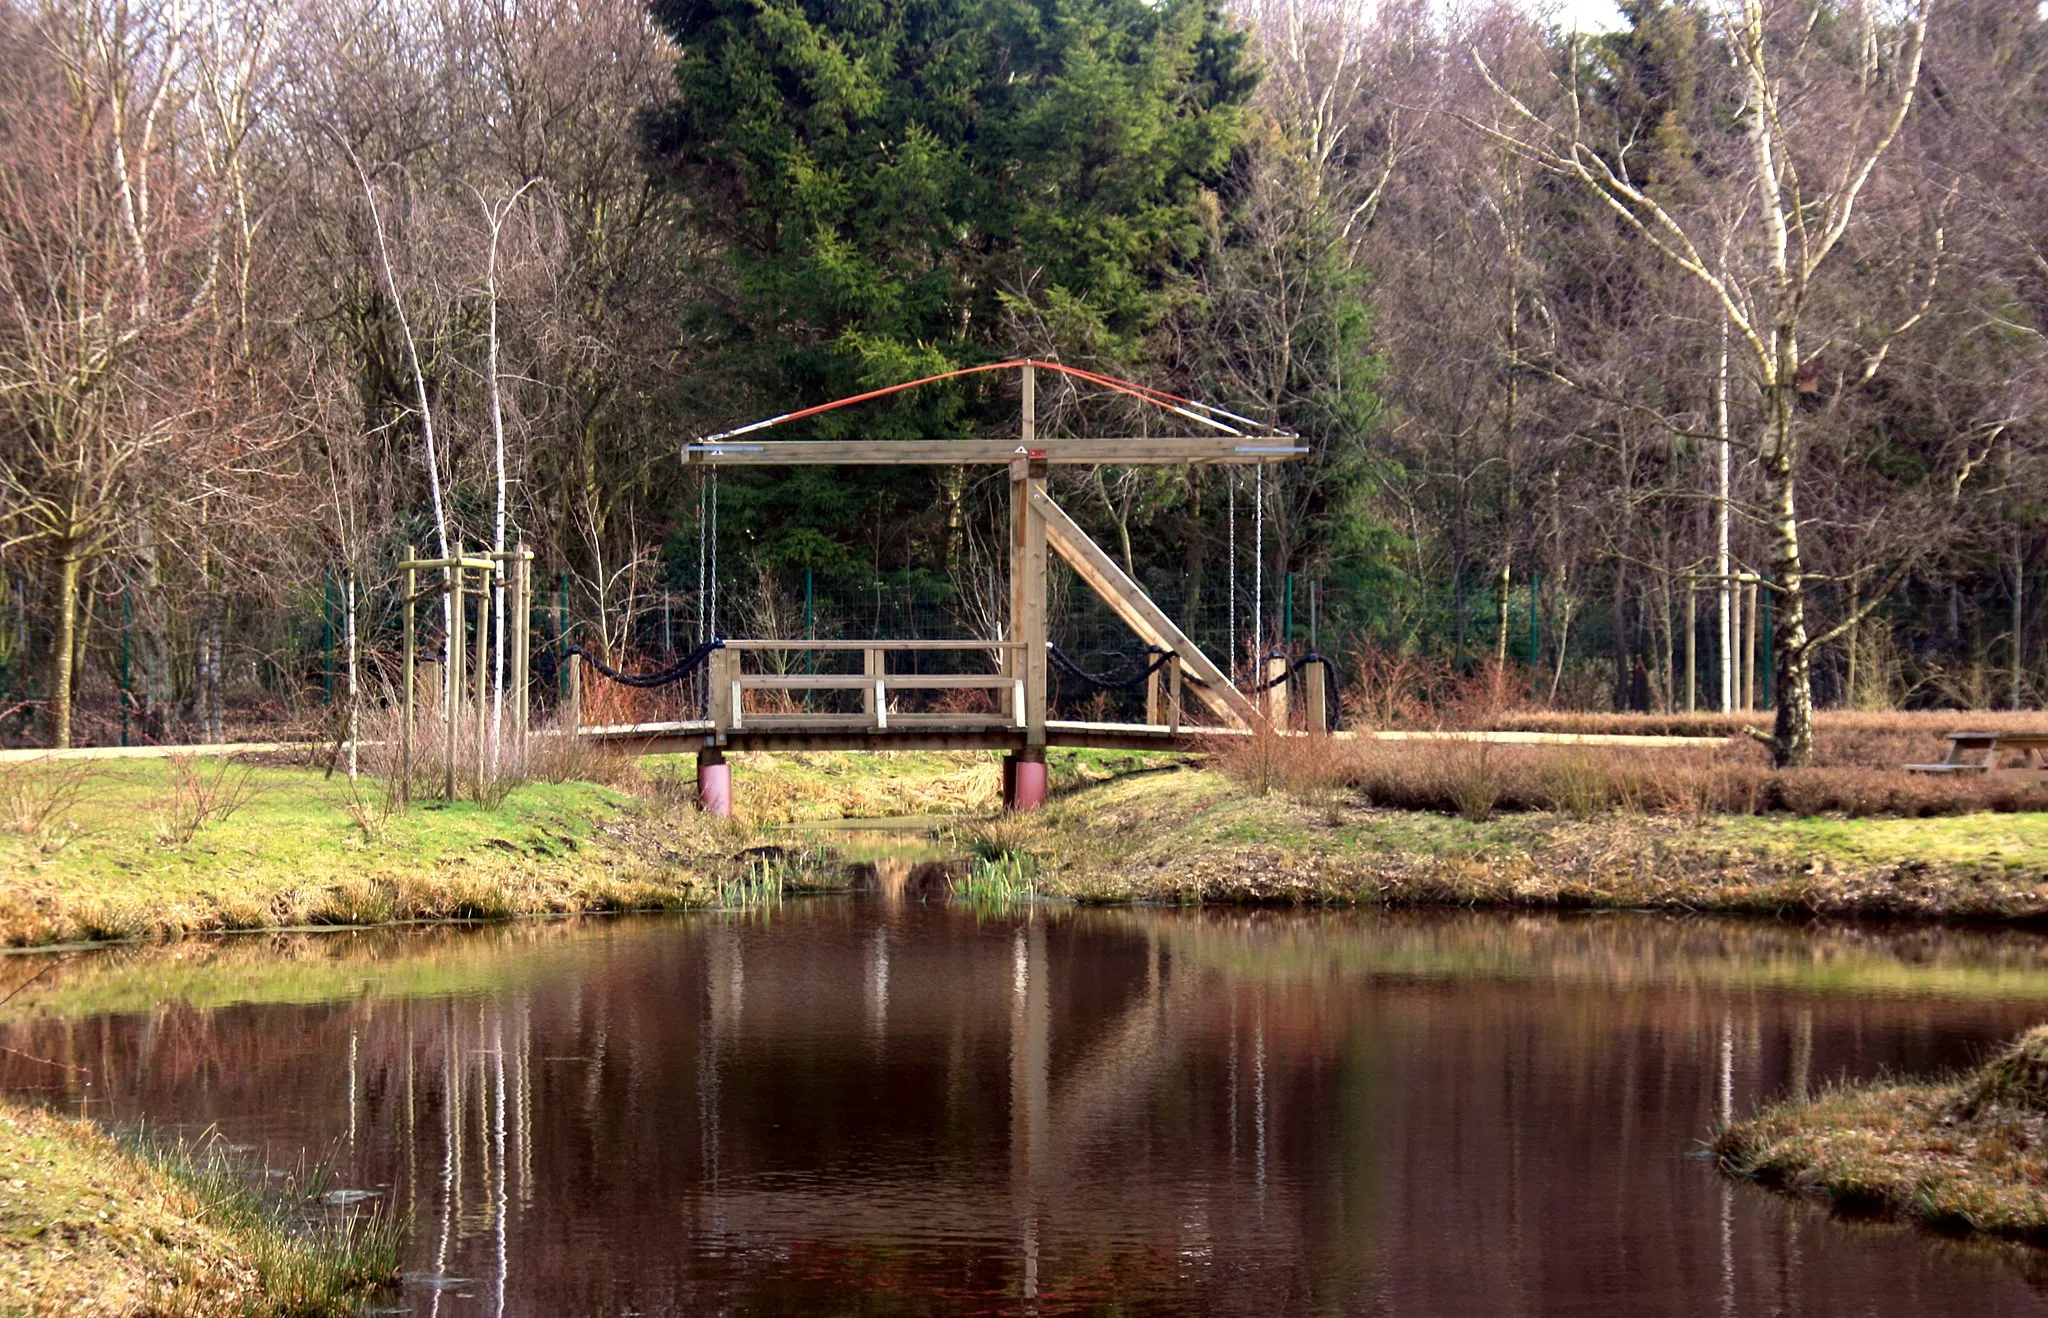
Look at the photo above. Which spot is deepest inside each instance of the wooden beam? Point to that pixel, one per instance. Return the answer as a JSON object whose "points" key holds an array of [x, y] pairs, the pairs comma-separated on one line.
{"points": [[1226, 450], [1139, 613]]}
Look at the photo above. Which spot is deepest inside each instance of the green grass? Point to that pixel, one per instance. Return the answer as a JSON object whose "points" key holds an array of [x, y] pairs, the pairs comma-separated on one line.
{"points": [[308, 1259], [294, 855], [1201, 835], [90, 1223]]}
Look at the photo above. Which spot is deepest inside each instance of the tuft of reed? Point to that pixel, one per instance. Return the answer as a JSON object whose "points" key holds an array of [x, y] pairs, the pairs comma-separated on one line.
{"points": [[994, 882], [311, 1258]]}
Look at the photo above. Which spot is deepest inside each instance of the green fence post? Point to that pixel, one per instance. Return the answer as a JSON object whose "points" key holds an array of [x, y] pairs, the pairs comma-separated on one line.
{"points": [[1287, 610], [1535, 619]]}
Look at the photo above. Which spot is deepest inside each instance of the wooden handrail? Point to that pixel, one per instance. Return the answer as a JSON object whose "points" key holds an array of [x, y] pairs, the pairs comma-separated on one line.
{"points": [[752, 643]]}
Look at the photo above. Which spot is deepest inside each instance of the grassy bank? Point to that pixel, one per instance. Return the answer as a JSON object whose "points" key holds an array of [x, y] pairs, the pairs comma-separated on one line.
{"points": [[1965, 1154], [1199, 835], [90, 1225], [288, 847], [116, 859]]}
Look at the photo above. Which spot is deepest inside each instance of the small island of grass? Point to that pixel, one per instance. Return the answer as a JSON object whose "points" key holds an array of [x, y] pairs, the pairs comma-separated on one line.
{"points": [[1967, 1154]]}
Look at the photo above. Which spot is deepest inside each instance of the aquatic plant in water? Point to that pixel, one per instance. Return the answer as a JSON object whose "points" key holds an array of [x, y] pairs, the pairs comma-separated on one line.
{"points": [[999, 880]]}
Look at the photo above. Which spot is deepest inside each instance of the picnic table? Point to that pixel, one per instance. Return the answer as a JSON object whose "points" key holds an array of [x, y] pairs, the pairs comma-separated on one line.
{"points": [[1987, 752]]}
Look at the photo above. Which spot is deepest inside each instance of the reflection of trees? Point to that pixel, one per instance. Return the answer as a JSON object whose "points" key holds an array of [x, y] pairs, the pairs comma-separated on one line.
{"points": [[1217, 1111]]}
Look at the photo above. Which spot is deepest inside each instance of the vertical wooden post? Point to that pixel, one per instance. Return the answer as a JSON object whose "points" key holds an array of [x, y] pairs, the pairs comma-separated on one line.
{"points": [[1027, 567], [1315, 684], [523, 649], [720, 690], [574, 723], [1274, 697], [872, 665], [451, 693], [1173, 702], [1692, 645], [486, 760], [1155, 683], [1749, 650], [411, 643]]}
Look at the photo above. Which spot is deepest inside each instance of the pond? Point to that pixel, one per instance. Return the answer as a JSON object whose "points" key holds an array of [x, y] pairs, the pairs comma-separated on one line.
{"points": [[851, 1104]]}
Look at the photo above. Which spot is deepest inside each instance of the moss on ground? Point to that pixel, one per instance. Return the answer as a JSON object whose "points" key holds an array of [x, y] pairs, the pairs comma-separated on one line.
{"points": [[1968, 1154]]}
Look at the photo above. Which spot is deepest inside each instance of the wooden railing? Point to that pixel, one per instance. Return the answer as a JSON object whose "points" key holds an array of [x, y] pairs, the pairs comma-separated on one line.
{"points": [[730, 682]]}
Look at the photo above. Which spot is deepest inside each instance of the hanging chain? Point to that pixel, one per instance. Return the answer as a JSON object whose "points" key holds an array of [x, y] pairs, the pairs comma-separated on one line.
{"points": [[1231, 586], [714, 553], [1259, 572], [703, 531]]}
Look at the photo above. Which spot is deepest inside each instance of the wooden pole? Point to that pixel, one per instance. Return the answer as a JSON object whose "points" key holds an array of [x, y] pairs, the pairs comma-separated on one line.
{"points": [[1173, 695], [872, 666], [1692, 644], [1274, 697], [1749, 650], [411, 643], [574, 722], [486, 750], [1034, 636], [522, 663], [1154, 696], [1315, 684], [451, 702]]}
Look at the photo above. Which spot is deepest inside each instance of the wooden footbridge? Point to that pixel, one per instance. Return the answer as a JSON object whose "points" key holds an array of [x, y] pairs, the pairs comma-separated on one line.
{"points": [[767, 695]]}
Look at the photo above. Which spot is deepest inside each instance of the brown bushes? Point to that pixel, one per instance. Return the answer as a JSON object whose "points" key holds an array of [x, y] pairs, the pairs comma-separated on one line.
{"points": [[1475, 779]]}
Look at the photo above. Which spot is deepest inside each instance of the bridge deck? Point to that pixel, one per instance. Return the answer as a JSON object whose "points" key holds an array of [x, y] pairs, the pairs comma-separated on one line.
{"points": [[687, 738]]}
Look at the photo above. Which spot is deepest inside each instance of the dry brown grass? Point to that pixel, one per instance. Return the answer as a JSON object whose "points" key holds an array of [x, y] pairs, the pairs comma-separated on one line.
{"points": [[1476, 779], [1967, 1154]]}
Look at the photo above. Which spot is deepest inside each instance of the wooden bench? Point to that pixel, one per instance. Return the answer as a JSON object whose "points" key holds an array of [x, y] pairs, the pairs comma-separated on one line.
{"points": [[1986, 752]]}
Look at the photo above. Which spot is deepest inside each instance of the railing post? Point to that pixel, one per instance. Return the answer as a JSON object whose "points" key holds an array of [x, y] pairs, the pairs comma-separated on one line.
{"points": [[1274, 697], [574, 722], [1173, 695], [451, 686], [874, 701], [1154, 713], [720, 683], [1315, 683], [483, 674]]}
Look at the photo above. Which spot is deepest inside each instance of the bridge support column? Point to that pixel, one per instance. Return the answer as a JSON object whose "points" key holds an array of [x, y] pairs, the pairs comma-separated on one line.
{"points": [[714, 783], [1024, 779]]}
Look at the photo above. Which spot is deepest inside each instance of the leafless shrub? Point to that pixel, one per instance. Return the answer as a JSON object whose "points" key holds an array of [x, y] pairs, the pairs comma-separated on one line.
{"points": [[200, 796], [37, 799]]}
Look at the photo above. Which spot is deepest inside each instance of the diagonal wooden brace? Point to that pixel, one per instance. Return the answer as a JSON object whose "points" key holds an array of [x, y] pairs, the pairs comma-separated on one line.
{"points": [[1140, 614]]}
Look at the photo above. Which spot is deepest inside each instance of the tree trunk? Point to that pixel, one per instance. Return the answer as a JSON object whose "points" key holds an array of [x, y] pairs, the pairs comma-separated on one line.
{"points": [[62, 652], [1792, 744]]}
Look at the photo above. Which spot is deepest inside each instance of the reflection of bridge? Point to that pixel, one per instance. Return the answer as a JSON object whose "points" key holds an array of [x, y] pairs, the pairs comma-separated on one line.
{"points": [[757, 701]]}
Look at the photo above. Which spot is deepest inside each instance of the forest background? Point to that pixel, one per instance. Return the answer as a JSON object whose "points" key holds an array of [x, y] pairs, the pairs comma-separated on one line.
{"points": [[1587, 334]]}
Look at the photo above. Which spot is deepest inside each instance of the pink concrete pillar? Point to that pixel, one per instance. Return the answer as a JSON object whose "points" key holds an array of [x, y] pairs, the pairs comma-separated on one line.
{"points": [[1029, 791], [714, 784]]}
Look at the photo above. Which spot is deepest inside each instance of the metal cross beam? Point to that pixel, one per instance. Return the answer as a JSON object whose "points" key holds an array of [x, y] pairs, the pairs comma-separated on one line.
{"points": [[1220, 451]]}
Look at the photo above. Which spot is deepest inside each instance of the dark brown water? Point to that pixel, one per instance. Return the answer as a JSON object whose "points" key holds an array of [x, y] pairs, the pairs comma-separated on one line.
{"points": [[849, 1106]]}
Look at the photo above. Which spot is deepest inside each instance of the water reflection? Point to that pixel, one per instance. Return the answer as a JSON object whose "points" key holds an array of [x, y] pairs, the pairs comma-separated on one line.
{"points": [[1061, 1111]]}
